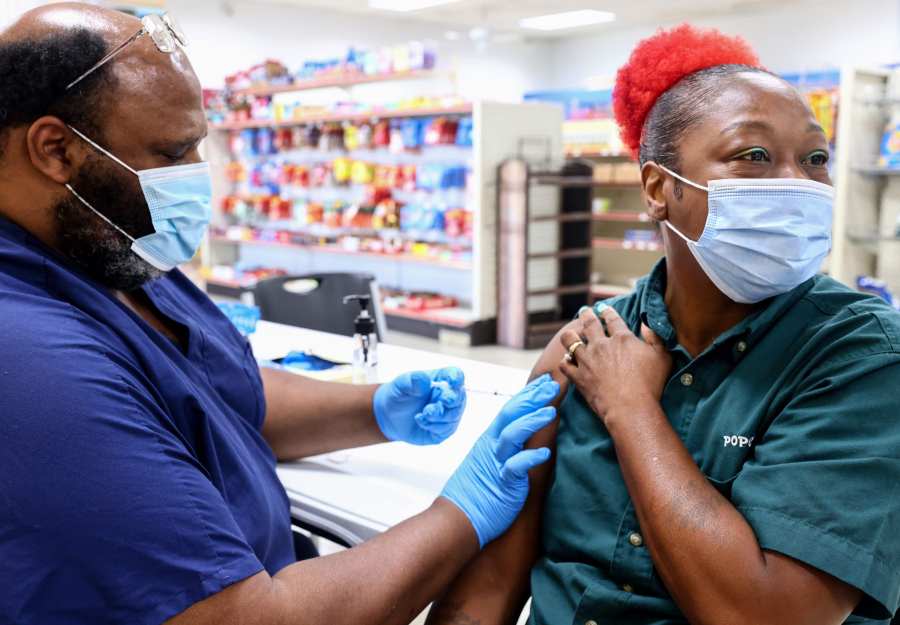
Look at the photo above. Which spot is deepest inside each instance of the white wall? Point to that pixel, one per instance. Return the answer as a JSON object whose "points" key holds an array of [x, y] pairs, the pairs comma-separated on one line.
{"points": [[796, 35], [223, 43]]}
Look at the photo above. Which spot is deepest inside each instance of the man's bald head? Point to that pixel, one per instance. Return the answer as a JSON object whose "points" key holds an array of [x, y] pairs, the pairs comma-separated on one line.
{"points": [[113, 26], [50, 46], [144, 106]]}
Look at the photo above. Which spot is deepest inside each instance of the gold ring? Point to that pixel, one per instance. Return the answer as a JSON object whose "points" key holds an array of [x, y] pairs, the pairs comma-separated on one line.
{"points": [[574, 347]]}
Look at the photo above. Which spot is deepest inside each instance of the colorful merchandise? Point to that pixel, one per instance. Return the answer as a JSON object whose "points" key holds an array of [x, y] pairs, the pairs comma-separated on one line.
{"points": [[890, 144]]}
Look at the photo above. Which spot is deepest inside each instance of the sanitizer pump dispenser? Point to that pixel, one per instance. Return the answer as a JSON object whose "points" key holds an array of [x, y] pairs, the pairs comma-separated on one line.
{"points": [[365, 342]]}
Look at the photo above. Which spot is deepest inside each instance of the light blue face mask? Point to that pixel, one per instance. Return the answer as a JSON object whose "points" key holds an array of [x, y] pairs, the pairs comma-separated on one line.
{"points": [[179, 199], [763, 236]]}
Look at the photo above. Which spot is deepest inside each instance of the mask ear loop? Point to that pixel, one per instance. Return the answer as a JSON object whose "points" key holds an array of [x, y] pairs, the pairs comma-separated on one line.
{"points": [[84, 201], [682, 178], [103, 151], [688, 182], [98, 213]]}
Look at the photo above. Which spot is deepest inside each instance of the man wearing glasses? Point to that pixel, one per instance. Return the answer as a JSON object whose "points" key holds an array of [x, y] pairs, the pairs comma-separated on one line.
{"points": [[138, 438]]}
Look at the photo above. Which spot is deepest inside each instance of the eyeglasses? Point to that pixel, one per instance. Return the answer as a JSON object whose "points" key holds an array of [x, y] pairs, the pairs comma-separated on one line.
{"points": [[163, 30]]}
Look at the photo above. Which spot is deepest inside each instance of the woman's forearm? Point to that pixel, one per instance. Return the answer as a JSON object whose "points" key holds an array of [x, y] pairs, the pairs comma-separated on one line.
{"points": [[306, 417], [704, 550]]}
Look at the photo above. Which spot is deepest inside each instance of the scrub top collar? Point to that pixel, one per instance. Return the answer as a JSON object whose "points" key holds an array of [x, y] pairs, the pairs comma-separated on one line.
{"points": [[655, 315]]}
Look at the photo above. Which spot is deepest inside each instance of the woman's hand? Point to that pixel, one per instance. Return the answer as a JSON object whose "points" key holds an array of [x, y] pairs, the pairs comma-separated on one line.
{"points": [[615, 370]]}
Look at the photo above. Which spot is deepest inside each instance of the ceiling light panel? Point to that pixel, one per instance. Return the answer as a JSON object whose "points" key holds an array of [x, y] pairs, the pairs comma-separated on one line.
{"points": [[566, 20], [406, 6]]}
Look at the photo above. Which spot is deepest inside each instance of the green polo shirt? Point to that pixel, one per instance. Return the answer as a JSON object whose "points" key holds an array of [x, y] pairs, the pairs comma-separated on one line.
{"points": [[793, 415]]}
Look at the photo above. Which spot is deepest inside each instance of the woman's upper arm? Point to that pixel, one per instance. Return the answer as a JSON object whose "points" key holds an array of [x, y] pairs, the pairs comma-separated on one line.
{"points": [[494, 587]]}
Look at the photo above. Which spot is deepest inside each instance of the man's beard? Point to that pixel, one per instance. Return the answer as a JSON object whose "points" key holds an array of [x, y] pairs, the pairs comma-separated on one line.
{"points": [[93, 245]]}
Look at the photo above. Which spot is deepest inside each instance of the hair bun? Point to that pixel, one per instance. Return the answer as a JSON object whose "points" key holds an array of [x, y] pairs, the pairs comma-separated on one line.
{"points": [[660, 61]]}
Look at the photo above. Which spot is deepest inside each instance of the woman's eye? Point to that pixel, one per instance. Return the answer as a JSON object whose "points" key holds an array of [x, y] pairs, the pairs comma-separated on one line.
{"points": [[755, 155], [817, 159]]}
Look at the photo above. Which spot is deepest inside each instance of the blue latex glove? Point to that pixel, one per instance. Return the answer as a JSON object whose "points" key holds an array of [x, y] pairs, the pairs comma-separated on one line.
{"points": [[491, 484], [423, 407]]}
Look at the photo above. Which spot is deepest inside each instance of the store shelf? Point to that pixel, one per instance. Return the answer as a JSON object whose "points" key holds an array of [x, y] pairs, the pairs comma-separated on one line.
{"points": [[328, 249], [622, 244], [583, 182], [874, 170], [564, 217], [562, 290], [345, 80], [457, 243], [604, 291], [232, 284], [621, 217], [576, 253], [872, 238], [547, 327], [453, 317], [589, 153], [325, 118]]}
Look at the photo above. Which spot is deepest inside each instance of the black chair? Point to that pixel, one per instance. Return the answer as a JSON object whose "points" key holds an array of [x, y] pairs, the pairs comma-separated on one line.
{"points": [[316, 301]]}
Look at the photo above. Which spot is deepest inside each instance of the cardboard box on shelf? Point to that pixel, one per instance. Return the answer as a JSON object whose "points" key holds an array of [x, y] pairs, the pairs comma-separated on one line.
{"points": [[604, 172], [626, 173]]}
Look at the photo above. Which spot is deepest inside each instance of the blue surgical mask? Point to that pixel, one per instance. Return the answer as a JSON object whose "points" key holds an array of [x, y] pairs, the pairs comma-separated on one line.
{"points": [[179, 199], [763, 236]]}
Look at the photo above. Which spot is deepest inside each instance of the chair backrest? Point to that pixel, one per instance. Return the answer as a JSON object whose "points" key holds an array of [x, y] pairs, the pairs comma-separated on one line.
{"points": [[316, 301]]}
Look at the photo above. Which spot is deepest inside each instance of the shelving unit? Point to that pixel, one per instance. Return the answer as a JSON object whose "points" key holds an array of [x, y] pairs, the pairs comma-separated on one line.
{"points": [[334, 118], [867, 205], [498, 130], [343, 80], [544, 250]]}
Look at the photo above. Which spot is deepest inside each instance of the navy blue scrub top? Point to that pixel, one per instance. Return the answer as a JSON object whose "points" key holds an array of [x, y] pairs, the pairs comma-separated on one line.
{"points": [[134, 480]]}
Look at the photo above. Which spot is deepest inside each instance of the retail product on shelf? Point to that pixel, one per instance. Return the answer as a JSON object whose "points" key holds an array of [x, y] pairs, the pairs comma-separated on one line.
{"points": [[890, 143], [293, 178], [383, 62], [237, 276], [264, 110], [406, 195], [417, 301]]}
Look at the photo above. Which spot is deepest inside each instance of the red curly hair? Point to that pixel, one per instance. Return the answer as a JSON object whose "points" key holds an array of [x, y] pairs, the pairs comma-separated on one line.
{"points": [[659, 62]]}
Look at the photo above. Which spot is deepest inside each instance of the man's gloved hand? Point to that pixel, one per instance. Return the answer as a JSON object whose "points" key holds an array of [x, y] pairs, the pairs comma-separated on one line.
{"points": [[491, 484], [423, 407]]}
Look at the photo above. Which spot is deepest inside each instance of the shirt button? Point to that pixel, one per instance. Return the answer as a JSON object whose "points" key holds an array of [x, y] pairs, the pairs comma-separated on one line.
{"points": [[636, 539], [591, 622], [627, 587], [687, 379], [742, 346]]}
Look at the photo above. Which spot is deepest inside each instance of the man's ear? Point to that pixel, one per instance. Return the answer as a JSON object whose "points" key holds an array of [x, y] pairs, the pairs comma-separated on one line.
{"points": [[653, 179], [54, 150]]}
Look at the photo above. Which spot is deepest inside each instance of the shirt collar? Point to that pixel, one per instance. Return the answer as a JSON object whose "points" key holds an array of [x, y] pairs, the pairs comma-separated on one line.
{"points": [[655, 315]]}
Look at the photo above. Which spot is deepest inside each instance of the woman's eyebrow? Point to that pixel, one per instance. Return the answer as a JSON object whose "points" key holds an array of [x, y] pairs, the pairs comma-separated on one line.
{"points": [[814, 127], [748, 125]]}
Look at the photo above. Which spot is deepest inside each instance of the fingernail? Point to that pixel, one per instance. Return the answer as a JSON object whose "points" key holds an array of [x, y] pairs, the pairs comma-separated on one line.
{"points": [[548, 412], [601, 307], [582, 309]]}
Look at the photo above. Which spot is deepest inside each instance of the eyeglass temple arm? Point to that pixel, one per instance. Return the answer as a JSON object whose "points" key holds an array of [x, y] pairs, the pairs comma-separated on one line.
{"points": [[108, 57]]}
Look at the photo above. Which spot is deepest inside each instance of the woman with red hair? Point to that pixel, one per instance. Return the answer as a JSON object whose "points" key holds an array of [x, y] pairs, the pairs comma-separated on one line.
{"points": [[728, 447]]}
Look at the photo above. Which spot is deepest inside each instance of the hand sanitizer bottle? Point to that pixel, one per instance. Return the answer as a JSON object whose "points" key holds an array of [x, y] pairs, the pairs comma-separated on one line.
{"points": [[365, 342]]}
